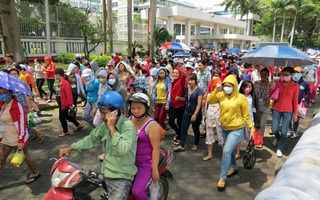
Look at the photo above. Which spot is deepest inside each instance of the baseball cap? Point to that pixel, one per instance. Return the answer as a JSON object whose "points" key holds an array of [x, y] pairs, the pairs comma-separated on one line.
{"points": [[70, 68], [298, 68]]}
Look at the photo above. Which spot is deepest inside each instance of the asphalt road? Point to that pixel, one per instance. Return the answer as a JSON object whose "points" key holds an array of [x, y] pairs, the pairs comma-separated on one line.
{"points": [[193, 178]]}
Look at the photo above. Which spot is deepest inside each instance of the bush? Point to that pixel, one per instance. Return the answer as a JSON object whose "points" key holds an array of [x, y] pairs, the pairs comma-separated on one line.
{"points": [[69, 58]]}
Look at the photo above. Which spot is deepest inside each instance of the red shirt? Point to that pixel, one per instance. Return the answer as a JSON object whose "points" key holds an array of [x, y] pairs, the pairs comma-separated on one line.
{"points": [[288, 97], [65, 94]]}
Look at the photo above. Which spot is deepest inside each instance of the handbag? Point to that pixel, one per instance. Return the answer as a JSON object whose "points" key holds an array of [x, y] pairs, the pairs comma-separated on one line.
{"points": [[275, 94], [73, 112], [258, 137], [302, 110], [249, 159]]}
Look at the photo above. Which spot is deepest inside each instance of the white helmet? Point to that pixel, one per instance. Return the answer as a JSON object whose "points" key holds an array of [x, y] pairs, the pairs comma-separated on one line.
{"points": [[141, 98]]}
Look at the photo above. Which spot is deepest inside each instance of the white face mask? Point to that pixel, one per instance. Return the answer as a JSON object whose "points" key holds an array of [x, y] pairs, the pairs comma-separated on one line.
{"points": [[275, 78], [297, 76], [228, 90], [287, 78]]}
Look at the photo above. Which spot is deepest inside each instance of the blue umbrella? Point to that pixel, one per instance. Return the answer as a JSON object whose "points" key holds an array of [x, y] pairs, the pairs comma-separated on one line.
{"points": [[311, 51], [14, 84], [277, 55], [181, 54], [233, 50]]}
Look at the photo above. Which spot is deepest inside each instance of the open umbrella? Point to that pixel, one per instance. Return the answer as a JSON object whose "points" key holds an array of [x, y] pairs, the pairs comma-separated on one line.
{"points": [[277, 55], [233, 50], [175, 46], [181, 54], [14, 84]]}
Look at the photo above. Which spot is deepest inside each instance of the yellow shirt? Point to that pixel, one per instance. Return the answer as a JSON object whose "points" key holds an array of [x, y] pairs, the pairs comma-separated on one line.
{"points": [[22, 77], [161, 93]]}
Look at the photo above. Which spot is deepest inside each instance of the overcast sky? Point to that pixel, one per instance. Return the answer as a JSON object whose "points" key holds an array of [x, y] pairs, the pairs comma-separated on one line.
{"points": [[203, 2]]}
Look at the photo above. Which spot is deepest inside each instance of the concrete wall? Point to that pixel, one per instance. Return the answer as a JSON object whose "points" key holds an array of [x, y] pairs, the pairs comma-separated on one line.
{"points": [[299, 177]]}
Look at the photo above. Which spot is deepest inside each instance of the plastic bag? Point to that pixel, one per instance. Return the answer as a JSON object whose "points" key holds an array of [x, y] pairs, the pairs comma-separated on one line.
{"points": [[31, 121], [17, 158], [275, 94], [154, 188], [302, 110], [36, 117], [258, 137]]}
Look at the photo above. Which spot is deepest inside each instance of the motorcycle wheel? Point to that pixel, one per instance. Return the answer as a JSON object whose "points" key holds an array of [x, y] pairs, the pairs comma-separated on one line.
{"points": [[164, 188]]}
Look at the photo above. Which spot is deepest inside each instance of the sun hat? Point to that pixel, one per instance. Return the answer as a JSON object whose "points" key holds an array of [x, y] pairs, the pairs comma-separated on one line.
{"points": [[154, 71], [86, 72], [70, 68], [298, 68], [140, 82]]}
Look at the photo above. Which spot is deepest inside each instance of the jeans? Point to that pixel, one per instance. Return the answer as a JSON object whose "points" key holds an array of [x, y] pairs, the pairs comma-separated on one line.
{"points": [[231, 139], [286, 118], [50, 83], [64, 116], [186, 121], [176, 113], [86, 113], [39, 83], [160, 114]]}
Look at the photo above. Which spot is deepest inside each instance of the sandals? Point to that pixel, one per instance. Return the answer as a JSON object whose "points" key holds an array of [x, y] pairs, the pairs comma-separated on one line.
{"points": [[207, 158], [63, 134], [221, 186], [79, 127], [194, 148], [32, 178], [232, 172], [41, 140], [179, 149]]}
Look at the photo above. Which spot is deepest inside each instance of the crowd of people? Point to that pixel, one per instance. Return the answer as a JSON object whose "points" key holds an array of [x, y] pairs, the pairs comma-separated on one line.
{"points": [[129, 101]]}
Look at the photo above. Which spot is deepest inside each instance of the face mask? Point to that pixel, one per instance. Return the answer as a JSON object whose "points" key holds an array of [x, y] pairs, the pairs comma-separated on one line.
{"points": [[139, 91], [5, 97], [297, 76], [228, 90], [111, 81], [276, 78], [87, 79], [286, 78], [247, 90]]}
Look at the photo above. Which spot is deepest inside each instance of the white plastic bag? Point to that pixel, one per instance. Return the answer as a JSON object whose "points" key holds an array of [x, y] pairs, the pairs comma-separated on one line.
{"points": [[154, 188]]}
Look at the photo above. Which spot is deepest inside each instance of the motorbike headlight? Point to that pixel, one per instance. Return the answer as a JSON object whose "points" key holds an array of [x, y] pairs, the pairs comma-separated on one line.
{"points": [[58, 177]]}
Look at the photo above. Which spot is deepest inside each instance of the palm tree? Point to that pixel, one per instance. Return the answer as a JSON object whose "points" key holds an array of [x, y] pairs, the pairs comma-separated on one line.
{"points": [[161, 36], [282, 4], [230, 4]]}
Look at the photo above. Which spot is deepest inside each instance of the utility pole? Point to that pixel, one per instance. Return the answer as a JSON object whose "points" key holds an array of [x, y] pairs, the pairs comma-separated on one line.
{"points": [[104, 27], [48, 41]]}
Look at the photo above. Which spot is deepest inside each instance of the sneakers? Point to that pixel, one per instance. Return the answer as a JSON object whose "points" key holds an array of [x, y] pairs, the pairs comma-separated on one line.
{"points": [[294, 135], [289, 134], [275, 142], [279, 154], [49, 101]]}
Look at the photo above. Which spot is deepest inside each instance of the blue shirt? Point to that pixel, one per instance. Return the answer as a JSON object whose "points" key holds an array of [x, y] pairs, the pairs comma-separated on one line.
{"points": [[192, 100], [92, 90]]}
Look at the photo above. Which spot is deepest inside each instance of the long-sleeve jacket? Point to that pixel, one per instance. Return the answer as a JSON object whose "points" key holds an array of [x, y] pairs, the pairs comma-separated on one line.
{"points": [[288, 97], [120, 149], [65, 94], [234, 110], [19, 117]]}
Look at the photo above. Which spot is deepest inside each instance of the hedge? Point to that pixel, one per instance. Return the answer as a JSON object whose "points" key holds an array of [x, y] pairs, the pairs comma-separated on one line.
{"points": [[69, 58]]}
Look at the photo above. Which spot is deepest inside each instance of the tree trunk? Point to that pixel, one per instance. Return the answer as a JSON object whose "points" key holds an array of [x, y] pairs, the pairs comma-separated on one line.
{"points": [[247, 22], [152, 24], [110, 32], [130, 26], [104, 27], [10, 29], [293, 27], [283, 24], [274, 27]]}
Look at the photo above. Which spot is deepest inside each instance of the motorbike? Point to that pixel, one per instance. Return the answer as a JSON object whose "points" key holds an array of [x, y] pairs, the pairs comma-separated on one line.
{"points": [[68, 177]]}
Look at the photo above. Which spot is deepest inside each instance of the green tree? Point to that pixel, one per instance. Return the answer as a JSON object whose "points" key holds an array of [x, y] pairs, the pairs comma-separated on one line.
{"points": [[161, 35], [232, 5]]}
